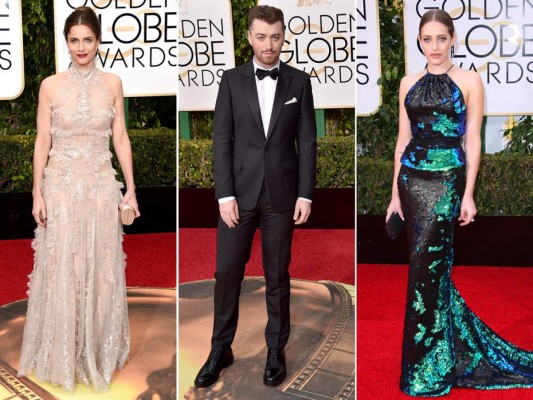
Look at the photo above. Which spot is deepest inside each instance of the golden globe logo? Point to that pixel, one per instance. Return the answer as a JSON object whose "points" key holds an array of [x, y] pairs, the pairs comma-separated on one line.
{"points": [[307, 3]]}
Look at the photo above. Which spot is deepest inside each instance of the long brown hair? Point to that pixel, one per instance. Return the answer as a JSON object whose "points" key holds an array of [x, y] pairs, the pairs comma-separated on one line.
{"points": [[83, 16]]}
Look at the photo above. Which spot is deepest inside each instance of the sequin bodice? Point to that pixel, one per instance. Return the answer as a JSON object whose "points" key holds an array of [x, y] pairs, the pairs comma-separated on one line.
{"points": [[437, 113], [81, 123]]}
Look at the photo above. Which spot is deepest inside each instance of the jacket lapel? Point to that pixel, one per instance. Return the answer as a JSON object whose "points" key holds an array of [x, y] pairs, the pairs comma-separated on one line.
{"points": [[282, 87], [251, 94]]}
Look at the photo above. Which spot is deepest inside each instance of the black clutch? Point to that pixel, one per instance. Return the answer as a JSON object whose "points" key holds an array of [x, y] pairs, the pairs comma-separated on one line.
{"points": [[394, 225]]}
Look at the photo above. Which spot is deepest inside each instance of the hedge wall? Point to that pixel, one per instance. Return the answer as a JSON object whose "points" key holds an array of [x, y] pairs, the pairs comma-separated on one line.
{"points": [[504, 186], [39, 62], [335, 163], [154, 159]]}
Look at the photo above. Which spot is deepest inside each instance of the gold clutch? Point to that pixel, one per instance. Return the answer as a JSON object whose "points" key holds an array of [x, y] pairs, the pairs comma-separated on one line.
{"points": [[127, 215]]}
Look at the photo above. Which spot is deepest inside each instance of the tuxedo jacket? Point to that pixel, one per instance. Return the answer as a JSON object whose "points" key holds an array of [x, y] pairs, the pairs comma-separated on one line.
{"points": [[284, 158]]}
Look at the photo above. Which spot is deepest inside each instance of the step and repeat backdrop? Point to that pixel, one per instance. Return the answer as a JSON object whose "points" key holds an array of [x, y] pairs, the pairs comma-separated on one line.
{"points": [[139, 42], [11, 54], [368, 67], [335, 41], [494, 38], [319, 39], [205, 50]]}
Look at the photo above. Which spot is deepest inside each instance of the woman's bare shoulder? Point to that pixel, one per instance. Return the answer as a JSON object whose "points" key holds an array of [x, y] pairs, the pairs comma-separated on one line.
{"points": [[465, 74], [54, 80], [50, 84], [113, 84], [468, 80], [112, 79], [409, 80]]}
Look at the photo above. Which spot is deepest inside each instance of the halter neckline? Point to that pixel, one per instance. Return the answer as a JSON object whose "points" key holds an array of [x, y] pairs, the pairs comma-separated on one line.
{"points": [[444, 73], [82, 73]]}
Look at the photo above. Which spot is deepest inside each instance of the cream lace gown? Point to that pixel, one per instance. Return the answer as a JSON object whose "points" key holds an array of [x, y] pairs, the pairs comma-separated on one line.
{"points": [[77, 323]]}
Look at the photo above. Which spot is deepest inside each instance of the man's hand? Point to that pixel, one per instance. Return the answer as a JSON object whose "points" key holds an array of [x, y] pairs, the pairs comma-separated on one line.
{"points": [[302, 210], [229, 212]]}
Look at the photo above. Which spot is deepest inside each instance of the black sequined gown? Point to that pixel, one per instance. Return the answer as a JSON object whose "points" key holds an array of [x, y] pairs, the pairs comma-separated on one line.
{"points": [[444, 343]]}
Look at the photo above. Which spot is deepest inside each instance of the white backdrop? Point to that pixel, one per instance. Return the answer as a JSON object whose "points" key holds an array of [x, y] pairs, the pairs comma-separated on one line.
{"points": [[493, 37], [368, 66], [205, 51], [320, 40], [11, 55], [139, 42]]}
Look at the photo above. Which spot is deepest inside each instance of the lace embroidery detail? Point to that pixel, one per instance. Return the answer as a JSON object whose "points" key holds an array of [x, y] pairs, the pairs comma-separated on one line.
{"points": [[77, 290]]}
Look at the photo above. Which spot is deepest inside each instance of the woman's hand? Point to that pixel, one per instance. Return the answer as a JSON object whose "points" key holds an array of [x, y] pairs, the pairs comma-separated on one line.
{"points": [[131, 200], [39, 211], [394, 206], [468, 211]]}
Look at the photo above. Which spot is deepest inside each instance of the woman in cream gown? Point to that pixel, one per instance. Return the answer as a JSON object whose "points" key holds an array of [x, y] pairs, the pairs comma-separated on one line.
{"points": [[77, 322]]}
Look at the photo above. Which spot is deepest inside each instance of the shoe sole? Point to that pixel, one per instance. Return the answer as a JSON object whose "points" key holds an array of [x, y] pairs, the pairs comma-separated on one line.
{"points": [[277, 382], [228, 362]]}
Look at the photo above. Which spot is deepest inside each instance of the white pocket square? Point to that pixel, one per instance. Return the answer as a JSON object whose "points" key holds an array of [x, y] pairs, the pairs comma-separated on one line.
{"points": [[291, 101]]}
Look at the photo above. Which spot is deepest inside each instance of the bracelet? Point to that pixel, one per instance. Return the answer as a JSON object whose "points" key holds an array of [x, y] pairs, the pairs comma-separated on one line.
{"points": [[132, 193]]}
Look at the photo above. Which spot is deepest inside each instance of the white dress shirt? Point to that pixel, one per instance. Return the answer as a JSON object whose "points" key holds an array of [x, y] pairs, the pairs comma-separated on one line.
{"points": [[266, 89]]}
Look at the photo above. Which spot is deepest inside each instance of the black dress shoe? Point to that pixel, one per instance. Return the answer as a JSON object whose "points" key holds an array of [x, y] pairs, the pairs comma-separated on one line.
{"points": [[211, 370], [275, 369]]}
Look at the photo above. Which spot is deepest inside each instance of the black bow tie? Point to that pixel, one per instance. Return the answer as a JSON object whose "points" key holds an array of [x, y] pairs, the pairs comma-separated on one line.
{"points": [[261, 73]]}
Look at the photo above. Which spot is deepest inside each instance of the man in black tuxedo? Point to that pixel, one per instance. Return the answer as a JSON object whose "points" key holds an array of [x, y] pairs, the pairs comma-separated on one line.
{"points": [[265, 164]]}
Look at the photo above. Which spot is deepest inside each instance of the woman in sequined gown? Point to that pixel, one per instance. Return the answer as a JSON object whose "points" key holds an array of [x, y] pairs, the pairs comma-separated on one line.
{"points": [[77, 321], [437, 156]]}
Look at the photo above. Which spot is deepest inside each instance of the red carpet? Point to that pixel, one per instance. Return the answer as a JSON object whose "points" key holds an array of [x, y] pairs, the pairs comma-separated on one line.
{"points": [[151, 262], [317, 254], [501, 296]]}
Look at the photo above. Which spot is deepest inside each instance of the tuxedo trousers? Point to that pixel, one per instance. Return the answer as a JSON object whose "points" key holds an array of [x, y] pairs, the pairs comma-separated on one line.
{"points": [[234, 246]]}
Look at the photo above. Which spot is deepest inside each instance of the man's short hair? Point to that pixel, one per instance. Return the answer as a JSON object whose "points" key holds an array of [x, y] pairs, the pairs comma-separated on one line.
{"points": [[268, 14]]}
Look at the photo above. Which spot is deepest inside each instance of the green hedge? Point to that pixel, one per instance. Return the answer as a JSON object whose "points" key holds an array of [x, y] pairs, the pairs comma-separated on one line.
{"points": [[335, 163], [504, 185], [154, 159], [339, 122]]}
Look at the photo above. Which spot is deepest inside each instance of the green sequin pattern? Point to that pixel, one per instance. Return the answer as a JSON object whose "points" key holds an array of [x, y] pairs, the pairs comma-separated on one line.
{"points": [[445, 344], [437, 111]]}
